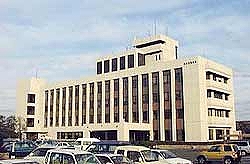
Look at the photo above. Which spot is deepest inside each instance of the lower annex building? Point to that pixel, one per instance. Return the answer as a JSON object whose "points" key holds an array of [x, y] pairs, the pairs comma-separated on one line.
{"points": [[145, 93]]}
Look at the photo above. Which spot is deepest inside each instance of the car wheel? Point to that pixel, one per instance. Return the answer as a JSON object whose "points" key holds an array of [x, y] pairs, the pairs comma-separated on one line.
{"points": [[228, 160], [243, 153], [201, 160]]}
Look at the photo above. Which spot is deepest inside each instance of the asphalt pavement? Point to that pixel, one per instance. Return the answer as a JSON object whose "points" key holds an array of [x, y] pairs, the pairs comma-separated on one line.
{"points": [[191, 155]]}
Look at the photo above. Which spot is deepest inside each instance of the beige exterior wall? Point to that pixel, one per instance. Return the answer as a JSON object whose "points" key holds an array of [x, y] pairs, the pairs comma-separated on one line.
{"points": [[196, 104]]}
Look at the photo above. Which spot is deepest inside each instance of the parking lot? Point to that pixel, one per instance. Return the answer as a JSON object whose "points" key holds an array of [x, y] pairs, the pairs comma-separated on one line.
{"points": [[191, 155]]}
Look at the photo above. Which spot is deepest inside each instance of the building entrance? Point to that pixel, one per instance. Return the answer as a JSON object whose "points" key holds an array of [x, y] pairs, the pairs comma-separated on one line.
{"points": [[104, 135], [136, 135]]}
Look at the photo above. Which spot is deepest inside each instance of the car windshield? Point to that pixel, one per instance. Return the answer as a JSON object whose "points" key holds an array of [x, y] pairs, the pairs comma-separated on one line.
{"points": [[168, 154], [82, 158], [120, 159], [149, 155]]}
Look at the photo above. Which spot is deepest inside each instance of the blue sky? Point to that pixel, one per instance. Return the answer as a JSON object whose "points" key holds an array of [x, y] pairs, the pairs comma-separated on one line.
{"points": [[61, 39]]}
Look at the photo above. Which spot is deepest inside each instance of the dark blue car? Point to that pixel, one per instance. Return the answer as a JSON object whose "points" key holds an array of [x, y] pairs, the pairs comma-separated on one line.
{"points": [[19, 148]]}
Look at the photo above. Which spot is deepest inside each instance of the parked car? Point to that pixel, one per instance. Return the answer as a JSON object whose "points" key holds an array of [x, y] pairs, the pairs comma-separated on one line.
{"points": [[171, 157], [69, 156], [105, 146], [19, 148], [243, 145], [144, 155], [83, 143], [39, 153], [17, 161], [224, 153], [113, 159]]}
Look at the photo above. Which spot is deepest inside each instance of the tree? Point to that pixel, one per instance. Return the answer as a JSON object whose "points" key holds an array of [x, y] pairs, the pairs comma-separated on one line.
{"points": [[7, 127]]}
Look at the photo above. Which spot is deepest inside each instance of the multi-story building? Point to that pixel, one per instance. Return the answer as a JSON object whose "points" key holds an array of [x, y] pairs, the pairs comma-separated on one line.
{"points": [[145, 93]]}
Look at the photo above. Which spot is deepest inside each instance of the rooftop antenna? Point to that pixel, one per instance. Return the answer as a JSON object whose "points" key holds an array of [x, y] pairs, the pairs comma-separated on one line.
{"points": [[36, 73], [154, 27], [166, 30]]}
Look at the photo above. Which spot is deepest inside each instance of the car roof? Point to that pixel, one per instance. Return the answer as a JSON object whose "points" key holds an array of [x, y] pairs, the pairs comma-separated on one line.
{"points": [[16, 161], [133, 148], [109, 155], [88, 139], [69, 151], [160, 150], [113, 142]]}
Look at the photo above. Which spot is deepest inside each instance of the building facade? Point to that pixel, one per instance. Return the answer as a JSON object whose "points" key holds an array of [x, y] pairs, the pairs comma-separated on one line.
{"points": [[145, 93]]}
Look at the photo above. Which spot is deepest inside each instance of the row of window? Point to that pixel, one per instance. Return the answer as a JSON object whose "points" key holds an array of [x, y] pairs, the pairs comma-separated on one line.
{"points": [[123, 108], [219, 134], [216, 77], [217, 94], [112, 65], [218, 112]]}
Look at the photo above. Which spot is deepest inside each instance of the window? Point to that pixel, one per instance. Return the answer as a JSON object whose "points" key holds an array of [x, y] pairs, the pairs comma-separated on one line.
{"points": [[114, 64], [214, 77], [134, 156], [99, 67], [130, 61], [30, 110], [141, 59], [155, 115], [167, 114], [219, 134], [31, 98], [210, 112], [207, 75], [30, 122], [179, 113], [227, 148], [226, 97], [218, 95], [120, 152], [209, 93], [122, 62], [106, 66], [211, 134]]}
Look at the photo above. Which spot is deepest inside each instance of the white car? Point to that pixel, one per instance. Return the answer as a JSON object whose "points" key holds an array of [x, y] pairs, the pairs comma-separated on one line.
{"points": [[141, 155], [18, 161], [39, 153], [70, 156], [144, 155], [113, 159], [171, 157]]}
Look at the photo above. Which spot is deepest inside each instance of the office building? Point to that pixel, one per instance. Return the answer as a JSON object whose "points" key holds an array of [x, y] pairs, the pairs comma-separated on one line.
{"points": [[145, 93]]}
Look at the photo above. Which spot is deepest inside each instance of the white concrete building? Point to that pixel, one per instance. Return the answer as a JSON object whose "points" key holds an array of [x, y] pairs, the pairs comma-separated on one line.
{"points": [[145, 93]]}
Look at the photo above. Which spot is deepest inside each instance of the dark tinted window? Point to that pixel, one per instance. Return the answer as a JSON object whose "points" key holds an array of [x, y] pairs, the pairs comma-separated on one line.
{"points": [[106, 66], [114, 64], [214, 149], [30, 110], [120, 152], [31, 98], [99, 67], [141, 59], [130, 61], [227, 148], [134, 156], [122, 62], [103, 159]]}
